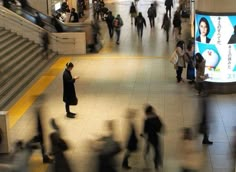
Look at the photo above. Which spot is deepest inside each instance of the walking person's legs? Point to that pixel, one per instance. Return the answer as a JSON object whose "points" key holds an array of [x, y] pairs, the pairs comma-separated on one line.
{"points": [[141, 30], [170, 12], [118, 36], [153, 21], [167, 35], [138, 31], [110, 31], [157, 154], [150, 20], [125, 163]]}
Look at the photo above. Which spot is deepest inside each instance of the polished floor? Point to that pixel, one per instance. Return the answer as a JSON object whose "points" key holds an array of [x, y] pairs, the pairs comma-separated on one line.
{"points": [[128, 75]]}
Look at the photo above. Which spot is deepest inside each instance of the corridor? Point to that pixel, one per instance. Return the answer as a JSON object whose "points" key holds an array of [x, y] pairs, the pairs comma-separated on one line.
{"points": [[129, 75]]}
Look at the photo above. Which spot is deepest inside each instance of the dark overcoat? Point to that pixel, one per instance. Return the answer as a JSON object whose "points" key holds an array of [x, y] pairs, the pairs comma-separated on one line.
{"points": [[132, 144], [69, 95], [58, 146]]}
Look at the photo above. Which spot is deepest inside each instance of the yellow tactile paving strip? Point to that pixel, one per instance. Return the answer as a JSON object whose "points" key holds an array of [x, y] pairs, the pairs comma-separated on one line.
{"points": [[21, 106]]}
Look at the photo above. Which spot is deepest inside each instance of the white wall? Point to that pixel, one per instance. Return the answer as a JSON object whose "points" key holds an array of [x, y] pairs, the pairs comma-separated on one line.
{"points": [[40, 5]]}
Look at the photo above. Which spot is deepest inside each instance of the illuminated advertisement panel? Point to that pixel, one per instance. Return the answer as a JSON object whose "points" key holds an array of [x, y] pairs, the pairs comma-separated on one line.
{"points": [[215, 39]]}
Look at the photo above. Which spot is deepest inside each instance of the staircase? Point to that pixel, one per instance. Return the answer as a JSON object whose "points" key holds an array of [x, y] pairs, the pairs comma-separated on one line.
{"points": [[21, 61]]}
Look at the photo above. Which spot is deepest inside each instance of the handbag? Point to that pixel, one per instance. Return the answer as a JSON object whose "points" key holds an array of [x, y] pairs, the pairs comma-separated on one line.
{"points": [[74, 102], [174, 57]]}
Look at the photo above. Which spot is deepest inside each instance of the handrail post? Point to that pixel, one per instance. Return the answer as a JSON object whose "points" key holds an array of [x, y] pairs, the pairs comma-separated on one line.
{"points": [[4, 132]]}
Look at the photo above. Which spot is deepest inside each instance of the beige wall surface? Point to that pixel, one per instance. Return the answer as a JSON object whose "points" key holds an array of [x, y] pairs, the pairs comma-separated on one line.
{"points": [[40, 5], [220, 6]]}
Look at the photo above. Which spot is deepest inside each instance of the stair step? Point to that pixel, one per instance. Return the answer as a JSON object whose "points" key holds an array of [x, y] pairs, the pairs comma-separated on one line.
{"points": [[12, 42], [21, 61], [25, 81], [20, 68], [11, 48], [6, 36], [12, 61], [3, 32]]}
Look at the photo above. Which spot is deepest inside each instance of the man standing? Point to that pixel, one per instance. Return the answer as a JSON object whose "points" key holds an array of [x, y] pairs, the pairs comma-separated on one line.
{"points": [[73, 16], [152, 128], [69, 96], [169, 4], [139, 23], [109, 20], [152, 13], [117, 23]]}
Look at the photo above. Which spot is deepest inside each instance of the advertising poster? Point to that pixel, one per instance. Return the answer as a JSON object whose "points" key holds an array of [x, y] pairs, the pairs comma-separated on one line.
{"points": [[215, 39]]}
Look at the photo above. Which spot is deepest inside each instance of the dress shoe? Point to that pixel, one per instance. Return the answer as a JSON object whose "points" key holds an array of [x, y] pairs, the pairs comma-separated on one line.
{"points": [[72, 113], [46, 159], [68, 115], [207, 142], [126, 167]]}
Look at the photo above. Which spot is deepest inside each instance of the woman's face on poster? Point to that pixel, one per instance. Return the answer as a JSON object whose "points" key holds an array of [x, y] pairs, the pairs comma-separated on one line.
{"points": [[203, 28]]}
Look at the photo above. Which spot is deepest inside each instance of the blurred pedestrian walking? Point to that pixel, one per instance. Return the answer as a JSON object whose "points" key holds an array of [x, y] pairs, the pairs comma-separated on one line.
{"points": [[109, 20], [190, 157], [38, 20], [153, 127], [132, 140], [132, 12], [108, 150], [168, 4], [140, 22], [118, 23], [152, 15], [45, 43], [166, 26], [59, 146], [203, 127], [39, 137]]}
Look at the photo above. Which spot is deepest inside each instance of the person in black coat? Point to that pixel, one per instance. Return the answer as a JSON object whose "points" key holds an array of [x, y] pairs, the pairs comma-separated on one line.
{"points": [[39, 137], [169, 4], [74, 16], [56, 24], [69, 95], [38, 20], [6, 4], [132, 144], [58, 146], [24, 3], [45, 42], [140, 22], [109, 21], [152, 128]]}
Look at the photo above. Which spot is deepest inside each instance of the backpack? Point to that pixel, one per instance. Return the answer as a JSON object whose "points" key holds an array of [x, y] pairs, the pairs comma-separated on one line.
{"points": [[132, 9], [116, 22], [166, 24], [139, 21], [151, 12]]}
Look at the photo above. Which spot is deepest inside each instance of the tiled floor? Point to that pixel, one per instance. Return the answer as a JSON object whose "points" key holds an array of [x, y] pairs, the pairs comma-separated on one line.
{"points": [[129, 76]]}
